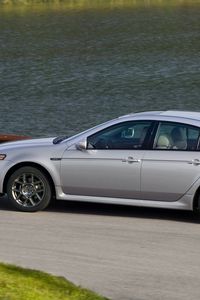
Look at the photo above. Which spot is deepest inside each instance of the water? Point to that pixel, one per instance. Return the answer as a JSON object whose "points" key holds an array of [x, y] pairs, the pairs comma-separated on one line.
{"points": [[64, 70]]}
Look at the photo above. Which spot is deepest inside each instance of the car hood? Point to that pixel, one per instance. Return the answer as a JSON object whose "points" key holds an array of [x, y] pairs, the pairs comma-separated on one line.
{"points": [[27, 143]]}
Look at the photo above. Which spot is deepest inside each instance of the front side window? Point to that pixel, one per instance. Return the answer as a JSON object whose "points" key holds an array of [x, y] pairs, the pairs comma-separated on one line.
{"points": [[126, 135], [176, 136]]}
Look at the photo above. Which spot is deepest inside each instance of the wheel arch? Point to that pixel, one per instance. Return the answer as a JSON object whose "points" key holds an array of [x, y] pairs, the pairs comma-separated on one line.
{"points": [[196, 202], [29, 164]]}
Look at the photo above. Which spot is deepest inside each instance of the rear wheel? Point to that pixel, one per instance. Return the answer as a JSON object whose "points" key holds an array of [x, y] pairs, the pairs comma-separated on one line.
{"points": [[29, 190]]}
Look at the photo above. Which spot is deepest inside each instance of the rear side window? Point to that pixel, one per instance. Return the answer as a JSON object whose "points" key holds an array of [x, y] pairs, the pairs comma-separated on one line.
{"points": [[177, 136]]}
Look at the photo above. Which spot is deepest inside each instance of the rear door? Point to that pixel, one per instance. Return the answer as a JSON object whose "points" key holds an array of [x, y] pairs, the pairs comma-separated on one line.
{"points": [[173, 164]]}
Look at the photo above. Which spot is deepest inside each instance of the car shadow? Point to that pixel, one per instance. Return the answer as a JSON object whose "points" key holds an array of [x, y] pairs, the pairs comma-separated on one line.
{"points": [[5, 204], [123, 211], [113, 210]]}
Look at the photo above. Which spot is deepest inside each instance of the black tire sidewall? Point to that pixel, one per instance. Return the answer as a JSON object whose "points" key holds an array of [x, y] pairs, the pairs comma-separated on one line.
{"points": [[48, 192]]}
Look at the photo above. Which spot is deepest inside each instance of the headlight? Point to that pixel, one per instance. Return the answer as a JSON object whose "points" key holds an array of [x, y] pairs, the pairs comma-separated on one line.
{"points": [[2, 156]]}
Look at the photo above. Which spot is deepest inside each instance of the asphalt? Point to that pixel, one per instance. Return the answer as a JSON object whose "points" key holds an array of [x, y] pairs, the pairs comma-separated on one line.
{"points": [[124, 253]]}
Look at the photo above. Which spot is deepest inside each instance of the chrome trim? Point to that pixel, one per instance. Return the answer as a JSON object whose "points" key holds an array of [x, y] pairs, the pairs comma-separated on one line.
{"points": [[55, 158]]}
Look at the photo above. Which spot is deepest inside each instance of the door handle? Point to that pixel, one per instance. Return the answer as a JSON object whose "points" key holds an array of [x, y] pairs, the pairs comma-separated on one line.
{"points": [[195, 162], [130, 160]]}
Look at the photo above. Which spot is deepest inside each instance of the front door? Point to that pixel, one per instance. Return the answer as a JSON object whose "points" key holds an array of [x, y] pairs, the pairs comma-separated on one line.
{"points": [[102, 173], [111, 164]]}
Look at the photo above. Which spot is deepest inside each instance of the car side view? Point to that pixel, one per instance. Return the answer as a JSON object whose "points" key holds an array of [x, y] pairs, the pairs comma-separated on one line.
{"points": [[149, 159]]}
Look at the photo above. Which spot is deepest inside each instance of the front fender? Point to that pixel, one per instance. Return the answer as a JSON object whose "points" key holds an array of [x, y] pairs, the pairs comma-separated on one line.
{"points": [[51, 167]]}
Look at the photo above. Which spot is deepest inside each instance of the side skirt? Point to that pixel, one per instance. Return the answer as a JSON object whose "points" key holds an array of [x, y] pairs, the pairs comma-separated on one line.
{"points": [[184, 203]]}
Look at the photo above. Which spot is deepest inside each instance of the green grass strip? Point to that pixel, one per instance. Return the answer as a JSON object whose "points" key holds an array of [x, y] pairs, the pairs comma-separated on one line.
{"points": [[24, 284], [96, 2]]}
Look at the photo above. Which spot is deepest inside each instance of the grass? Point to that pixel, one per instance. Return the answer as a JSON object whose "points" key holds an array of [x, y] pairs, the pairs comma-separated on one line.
{"points": [[23, 284], [83, 3], [80, 5]]}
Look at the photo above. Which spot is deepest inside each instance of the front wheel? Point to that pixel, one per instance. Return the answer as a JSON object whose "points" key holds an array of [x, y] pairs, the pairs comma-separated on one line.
{"points": [[29, 190]]}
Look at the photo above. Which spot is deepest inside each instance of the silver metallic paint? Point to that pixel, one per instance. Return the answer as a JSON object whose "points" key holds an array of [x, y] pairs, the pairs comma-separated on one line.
{"points": [[101, 173]]}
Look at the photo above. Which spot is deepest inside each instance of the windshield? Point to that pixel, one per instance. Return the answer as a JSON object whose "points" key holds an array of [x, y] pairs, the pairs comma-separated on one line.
{"points": [[61, 138]]}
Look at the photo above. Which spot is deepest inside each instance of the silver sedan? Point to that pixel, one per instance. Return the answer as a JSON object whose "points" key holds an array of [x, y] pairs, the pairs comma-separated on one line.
{"points": [[147, 159]]}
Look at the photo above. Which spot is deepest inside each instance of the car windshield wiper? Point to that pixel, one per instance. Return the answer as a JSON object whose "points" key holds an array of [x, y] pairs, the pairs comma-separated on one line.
{"points": [[59, 139]]}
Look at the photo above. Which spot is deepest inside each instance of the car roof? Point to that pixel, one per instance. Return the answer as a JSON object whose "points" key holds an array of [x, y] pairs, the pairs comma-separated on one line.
{"points": [[182, 114], [190, 115]]}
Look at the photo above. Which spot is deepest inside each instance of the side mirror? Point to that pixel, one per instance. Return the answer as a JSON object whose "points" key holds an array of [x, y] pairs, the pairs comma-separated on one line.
{"points": [[82, 145]]}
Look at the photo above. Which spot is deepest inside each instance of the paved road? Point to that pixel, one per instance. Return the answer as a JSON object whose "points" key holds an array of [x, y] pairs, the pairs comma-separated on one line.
{"points": [[124, 253]]}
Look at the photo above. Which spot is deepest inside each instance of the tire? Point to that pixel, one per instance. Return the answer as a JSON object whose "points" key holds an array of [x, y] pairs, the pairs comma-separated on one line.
{"points": [[29, 190], [196, 206]]}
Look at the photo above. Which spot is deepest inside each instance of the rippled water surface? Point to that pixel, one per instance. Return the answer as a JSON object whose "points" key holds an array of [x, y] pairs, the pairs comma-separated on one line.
{"points": [[64, 70]]}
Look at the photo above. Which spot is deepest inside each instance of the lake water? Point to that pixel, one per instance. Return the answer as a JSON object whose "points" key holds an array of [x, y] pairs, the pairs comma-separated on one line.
{"points": [[64, 69]]}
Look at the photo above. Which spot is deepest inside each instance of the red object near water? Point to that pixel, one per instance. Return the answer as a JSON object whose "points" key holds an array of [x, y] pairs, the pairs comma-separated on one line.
{"points": [[12, 137]]}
